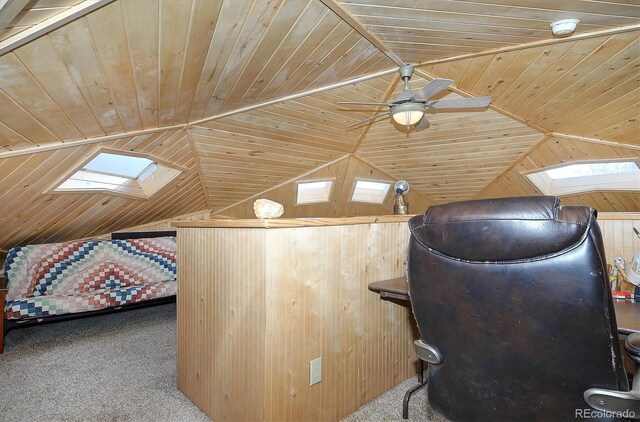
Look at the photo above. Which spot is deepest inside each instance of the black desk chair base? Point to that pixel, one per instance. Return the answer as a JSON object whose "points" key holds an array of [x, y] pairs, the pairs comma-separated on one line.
{"points": [[422, 381]]}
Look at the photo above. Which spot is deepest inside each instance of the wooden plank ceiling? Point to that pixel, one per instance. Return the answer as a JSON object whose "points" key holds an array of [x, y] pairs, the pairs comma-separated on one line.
{"points": [[32, 13], [344, 173], [29, 215], [588, 88], [248, 153], [243, 95], [453, 159], [143, 64], [423, 30], [554, 151]]}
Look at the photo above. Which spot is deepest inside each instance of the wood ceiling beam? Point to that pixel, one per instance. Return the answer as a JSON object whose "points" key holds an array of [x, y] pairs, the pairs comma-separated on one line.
{"points": [[296, 96], [70, 144], [534, 126], [50, 24], [594, 140], [79, 142], [9, 9], [534, 44], [353, 22], [196, 158]]}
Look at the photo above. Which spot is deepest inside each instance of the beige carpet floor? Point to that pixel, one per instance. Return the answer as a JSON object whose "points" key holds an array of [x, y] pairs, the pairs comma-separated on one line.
{"points": [[122, 367]]}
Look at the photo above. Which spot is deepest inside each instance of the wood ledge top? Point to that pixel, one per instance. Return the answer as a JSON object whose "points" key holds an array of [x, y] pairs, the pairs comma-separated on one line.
{"points": [[278, 223]]}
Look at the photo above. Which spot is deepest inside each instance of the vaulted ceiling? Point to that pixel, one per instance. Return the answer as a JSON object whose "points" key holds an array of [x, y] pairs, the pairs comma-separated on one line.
{"points": [[243, 96]]}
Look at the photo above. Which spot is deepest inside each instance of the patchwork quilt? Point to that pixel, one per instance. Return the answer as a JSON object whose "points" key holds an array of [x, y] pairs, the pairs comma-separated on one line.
{"points": [[62, 278]]}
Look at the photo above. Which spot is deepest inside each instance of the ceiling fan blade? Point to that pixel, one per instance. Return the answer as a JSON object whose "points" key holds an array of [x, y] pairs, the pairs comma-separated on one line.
{"points": [[377, 116], [460, 103], [364, 103], [423, 123], [430, 89]]}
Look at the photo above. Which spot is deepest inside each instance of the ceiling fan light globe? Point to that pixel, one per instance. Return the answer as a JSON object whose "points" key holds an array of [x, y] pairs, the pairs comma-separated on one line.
{"points": [[407, 114], [408, 117]]}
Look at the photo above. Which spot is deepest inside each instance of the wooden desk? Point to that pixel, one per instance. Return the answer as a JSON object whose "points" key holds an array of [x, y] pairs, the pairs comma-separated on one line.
{"points": [[627, 312], [627, 316]]}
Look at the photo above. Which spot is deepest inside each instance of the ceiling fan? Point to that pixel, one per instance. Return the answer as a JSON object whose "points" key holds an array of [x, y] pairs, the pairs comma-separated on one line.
{"points": [[408, 109]]}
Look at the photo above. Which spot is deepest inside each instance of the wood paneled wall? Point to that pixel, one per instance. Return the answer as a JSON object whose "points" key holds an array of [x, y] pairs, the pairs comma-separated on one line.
{"points": [[344, 172], [555, 151], [256, 305], [618, 236], [221, 321]]}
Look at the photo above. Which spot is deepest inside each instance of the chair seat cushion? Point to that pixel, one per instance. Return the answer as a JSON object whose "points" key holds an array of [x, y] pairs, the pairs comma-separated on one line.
{"points": [[45, 305]]}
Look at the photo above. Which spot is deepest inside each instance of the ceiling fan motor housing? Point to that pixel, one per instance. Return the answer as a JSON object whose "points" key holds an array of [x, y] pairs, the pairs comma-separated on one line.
{"points": [[406, 71]]}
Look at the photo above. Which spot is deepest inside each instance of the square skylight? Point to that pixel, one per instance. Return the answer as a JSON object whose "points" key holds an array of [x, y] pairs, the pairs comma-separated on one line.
{"points": [[314, 192], [370, 192], [118, 164], [119, 174], [107, 171], [588, 177], [83, 179]]}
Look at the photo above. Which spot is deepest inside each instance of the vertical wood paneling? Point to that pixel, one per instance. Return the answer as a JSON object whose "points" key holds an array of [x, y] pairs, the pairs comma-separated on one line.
{"points": [[221, 321], [618, 236], [258, 304]]}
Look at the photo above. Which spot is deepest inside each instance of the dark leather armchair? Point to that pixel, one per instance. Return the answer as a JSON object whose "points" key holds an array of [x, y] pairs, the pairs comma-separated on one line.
{"points": [[514, 308]]}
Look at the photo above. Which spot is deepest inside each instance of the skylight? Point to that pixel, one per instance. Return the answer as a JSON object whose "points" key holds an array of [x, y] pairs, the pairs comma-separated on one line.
{"points": [[592, 169], [106, 171], [314, 192], [117, 164], [586, 177], [370, 191], [118, 173]]}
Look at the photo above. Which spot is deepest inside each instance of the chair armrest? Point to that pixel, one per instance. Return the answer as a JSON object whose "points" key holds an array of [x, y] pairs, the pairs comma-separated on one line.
{"points": [[623, 404], [3, 284], [427, 352]]}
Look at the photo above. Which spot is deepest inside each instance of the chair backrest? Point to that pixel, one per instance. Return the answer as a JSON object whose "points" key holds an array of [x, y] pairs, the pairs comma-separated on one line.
{"points": [[514, 293]]}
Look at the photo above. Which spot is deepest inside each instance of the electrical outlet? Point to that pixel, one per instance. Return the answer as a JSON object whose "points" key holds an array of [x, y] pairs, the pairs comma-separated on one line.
{"points": [[315, 371]]}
